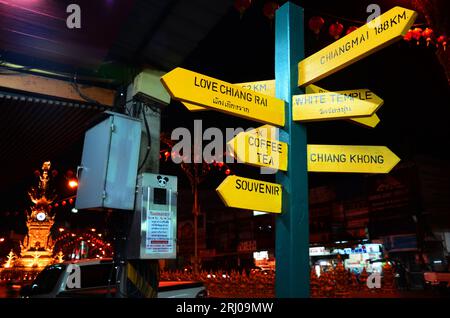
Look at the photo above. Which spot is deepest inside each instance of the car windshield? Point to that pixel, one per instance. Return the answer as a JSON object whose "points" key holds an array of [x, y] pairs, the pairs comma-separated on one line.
{"points": [[46, 280]]}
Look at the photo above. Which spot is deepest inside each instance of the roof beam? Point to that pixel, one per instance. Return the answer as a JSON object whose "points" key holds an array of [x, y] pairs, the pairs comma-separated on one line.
{"points": [[58, 88]]}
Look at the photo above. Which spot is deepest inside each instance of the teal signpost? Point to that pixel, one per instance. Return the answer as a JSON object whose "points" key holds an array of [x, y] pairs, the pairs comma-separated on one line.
{"points": [[292, 225], [291, 199]]}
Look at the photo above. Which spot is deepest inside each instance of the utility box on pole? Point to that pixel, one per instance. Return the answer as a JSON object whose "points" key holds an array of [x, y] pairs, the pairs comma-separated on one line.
{"points": [[108, 170], [153, 233]]}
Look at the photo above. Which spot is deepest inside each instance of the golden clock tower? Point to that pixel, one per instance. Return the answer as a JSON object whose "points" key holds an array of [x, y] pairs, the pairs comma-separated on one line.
{"points": [[37, 247]]}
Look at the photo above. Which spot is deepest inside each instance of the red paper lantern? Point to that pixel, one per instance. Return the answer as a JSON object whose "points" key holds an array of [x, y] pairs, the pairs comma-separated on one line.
{"points": [[408, 35], [71, 201], [336, 30], [442, 40], [428, 35], [63, 203], [315, 24], [269, 9], [69, 173], [37, 173], [56, 205], [242, 5], [351, 29], [417, 34], [227, 172]]}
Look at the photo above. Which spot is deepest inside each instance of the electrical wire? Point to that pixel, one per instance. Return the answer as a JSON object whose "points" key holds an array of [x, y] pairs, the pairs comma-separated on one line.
{"points": [[83, 96], [149, 139]]}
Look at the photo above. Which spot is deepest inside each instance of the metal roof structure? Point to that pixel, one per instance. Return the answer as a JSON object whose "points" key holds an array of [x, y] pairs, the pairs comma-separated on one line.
{"points": [[34, 34]]}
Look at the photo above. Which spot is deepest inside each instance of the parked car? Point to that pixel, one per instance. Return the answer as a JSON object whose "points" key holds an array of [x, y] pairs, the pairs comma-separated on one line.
{"points": [[97, 279], [437, 279]]}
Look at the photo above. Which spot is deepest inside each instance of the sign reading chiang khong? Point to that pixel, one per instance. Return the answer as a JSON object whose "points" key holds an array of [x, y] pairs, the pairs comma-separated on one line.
{"points": [[359, 159]]}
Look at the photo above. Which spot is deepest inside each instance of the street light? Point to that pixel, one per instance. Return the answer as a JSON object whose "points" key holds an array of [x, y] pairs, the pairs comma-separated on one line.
{"points": [[2, 239], [73, 184]]}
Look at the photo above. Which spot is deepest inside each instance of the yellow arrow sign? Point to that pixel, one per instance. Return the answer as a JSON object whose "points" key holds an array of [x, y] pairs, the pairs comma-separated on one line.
{"points": [[377, 34], [263, 87], [244, 193], [266, 131], [268, 88], [369, 121], [206, 91], [335, 105], [362, 159], [254, 148]]}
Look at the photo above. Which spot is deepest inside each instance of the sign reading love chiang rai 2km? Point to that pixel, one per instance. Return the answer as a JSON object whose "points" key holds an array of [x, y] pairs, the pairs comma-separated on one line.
{"points": [[202, 90], [268, 88], [263, 87], [369, 38]]}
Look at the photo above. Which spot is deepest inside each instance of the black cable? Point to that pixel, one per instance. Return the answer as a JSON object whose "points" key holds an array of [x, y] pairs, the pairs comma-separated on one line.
{"points": [[77, 89], [149, 139], [110, 278]]}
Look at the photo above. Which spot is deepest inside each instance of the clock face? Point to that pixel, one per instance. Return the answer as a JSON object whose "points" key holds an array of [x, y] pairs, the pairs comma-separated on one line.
{"points": [[40, 216]]}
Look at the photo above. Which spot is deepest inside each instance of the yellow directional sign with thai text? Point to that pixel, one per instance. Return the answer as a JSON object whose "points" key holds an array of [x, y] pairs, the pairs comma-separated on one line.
{"points": [[359, 159], [253, 148], [206, 91], [266, 131], [369, 121], [263, 87], [245, 193], [369, 38], [335, 105]]}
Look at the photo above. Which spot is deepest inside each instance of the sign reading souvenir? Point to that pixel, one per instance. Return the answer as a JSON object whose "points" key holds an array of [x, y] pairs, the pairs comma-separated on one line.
{"points": [[245, 193]]}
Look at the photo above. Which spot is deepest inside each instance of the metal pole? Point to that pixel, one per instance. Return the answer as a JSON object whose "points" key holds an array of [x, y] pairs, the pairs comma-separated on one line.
{"points": [[195, 212], [292, 226]]}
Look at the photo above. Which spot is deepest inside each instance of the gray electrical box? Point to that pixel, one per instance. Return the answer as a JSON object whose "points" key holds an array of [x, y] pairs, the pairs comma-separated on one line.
{"points": [[153, 233], [108, 170]]}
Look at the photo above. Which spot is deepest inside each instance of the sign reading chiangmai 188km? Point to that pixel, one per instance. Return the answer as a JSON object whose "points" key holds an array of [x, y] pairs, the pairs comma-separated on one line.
{"points": [[335, 105], [245, 193], [371, 37], [202, 90]]}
